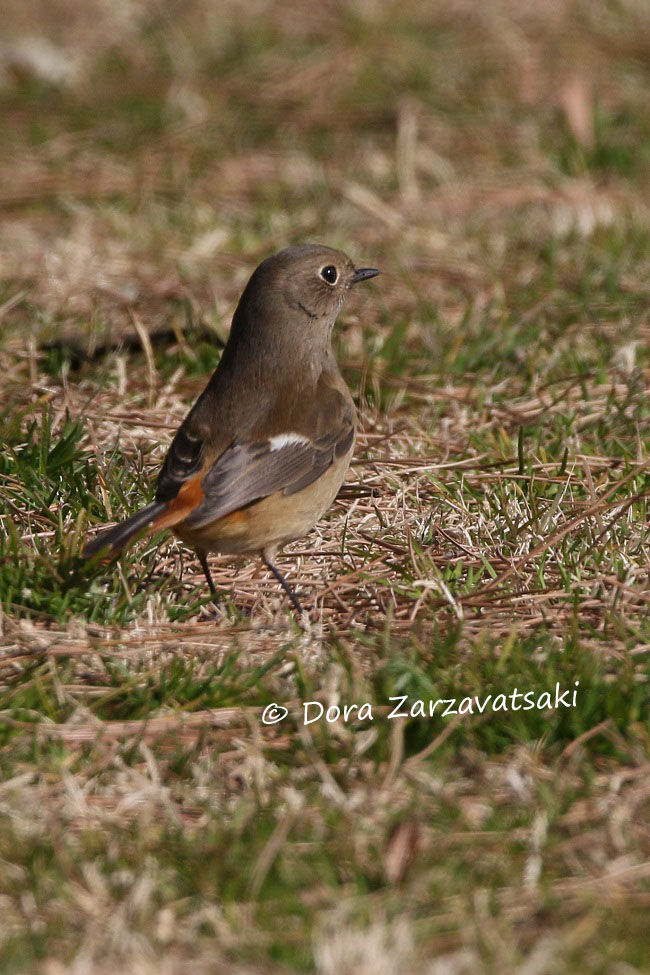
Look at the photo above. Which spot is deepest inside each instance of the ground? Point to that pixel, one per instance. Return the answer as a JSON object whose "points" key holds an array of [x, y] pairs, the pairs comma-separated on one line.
{"points": [[492, 159]]}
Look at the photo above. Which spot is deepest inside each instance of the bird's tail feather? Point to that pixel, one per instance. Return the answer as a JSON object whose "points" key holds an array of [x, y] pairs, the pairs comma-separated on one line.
{"points": [[114, 539]]}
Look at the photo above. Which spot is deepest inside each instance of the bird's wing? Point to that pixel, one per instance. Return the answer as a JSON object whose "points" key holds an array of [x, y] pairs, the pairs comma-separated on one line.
{"points": [[249, 471], [184, 460], [287, 445]]}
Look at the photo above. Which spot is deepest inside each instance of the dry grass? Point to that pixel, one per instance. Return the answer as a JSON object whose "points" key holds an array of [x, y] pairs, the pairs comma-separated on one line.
{"points": [[493, 534]]}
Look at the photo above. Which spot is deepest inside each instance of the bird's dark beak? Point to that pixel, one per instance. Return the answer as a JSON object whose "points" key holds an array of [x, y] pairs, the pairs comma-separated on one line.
{"points": [[363, 273]]}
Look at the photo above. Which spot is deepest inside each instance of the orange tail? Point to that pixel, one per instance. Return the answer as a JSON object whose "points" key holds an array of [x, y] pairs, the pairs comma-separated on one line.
{"points": [[112, 540]]}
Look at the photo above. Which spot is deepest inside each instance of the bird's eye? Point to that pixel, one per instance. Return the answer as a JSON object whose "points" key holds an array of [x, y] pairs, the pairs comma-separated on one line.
{"points": [[329, 274]]}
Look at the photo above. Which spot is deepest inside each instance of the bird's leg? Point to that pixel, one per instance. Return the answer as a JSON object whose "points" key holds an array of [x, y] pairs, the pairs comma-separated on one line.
{"points": [[203, 559], [267, 557]]}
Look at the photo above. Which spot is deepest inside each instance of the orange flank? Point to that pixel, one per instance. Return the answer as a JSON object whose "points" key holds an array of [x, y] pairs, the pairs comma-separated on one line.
{"points": [[188, 498]]}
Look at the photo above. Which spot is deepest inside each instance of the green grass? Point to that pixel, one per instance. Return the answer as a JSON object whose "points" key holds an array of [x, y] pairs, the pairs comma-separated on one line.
{"points": [[194, 854]]}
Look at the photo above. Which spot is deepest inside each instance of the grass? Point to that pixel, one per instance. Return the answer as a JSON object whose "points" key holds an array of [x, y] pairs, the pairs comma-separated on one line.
{"points": [[492, 537]]}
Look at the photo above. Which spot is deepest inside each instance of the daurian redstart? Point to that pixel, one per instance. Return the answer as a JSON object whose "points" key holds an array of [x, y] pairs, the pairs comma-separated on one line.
{"points": [[264, 450]]}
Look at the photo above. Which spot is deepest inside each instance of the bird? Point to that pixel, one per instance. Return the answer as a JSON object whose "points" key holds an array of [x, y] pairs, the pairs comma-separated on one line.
{"points": [[263, 451]]}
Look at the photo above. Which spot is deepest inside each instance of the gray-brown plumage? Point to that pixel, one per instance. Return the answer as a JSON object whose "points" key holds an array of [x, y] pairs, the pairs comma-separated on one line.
{"points": [[263, 452]]}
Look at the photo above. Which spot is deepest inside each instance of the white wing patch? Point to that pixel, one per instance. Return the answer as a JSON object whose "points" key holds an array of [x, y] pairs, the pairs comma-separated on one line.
{"points": [[281, 440]]}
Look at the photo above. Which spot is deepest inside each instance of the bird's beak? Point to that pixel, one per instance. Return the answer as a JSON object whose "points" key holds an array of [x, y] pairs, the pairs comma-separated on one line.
{"points": [[363, 273]]}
